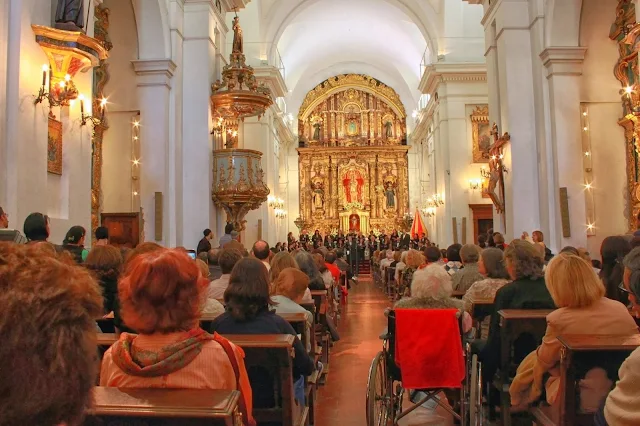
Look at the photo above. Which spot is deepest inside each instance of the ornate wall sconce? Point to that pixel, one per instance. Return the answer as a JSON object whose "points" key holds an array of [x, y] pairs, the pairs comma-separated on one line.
{"points": [[95, 121], [68, 52], [59, 94], [275, 203], [429, 211], [475, 184], [280, 214]]}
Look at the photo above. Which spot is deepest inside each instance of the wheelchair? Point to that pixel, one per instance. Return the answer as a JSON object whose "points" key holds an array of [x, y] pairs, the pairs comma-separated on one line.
{"points": [[385, 392]]}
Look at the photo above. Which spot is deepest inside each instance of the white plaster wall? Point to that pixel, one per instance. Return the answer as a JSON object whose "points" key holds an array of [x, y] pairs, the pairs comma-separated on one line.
{"points": [[123, 105], [599, 93], [27, 186]]}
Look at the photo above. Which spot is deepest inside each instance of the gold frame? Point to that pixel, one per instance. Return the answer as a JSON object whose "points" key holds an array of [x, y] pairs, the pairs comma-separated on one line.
{"points": [[54, 136], [480, 117]]}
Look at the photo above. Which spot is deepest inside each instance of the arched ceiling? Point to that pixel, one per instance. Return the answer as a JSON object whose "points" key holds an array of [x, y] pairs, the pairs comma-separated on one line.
{"points": [[317, 39]]}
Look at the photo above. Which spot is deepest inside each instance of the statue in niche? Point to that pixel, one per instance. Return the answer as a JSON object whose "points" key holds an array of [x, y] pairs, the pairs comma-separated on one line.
{"points": [[388, 126], [390, 196], [237, 36], [318, 196], [70, 15], [353, 187], [316, 132]]}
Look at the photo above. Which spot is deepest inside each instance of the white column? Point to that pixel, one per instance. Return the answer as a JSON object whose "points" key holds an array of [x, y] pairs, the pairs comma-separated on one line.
{"points": [[199, 56], [517, 113], [154, 85], [564, 68]]}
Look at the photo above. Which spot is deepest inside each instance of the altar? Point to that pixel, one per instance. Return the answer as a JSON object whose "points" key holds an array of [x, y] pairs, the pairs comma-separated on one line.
{"points": [[353, 157]]}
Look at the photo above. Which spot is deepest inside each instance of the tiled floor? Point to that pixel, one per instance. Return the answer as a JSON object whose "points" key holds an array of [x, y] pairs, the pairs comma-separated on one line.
{"points": [[341, 402]]}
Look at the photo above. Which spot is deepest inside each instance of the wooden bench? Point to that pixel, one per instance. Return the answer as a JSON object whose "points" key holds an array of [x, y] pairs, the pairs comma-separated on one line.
{"points": [[322, 330], [513, 324], [392, 286], [164, 407], [580, 353], [480, 309]]}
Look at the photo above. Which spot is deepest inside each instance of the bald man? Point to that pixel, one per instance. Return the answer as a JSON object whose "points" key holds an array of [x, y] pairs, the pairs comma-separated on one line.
{"points": [[260, 251]]}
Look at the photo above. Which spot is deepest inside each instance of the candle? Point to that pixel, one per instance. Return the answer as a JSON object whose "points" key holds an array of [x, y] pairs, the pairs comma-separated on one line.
{"points": [[44, 75], [81, 105], [49, 76], [102, 115]]}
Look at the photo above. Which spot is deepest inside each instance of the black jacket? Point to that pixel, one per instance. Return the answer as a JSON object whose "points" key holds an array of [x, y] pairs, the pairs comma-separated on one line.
{"points": [[519, 294], [203, 245]]}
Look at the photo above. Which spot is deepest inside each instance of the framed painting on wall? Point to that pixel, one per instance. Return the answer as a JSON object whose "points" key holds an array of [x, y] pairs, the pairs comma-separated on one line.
{"points": [[481, 134], [54, 147]]}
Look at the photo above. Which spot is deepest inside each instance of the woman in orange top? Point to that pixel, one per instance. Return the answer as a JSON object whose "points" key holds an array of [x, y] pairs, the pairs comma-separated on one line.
{"points": [[161, 294]]}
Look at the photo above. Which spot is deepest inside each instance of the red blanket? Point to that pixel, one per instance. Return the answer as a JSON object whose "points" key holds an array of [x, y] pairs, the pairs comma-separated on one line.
{"points": [[429, 349]]}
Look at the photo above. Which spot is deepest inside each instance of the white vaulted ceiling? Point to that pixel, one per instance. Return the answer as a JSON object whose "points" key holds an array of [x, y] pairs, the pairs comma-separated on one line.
{"points": [[318, 39]]}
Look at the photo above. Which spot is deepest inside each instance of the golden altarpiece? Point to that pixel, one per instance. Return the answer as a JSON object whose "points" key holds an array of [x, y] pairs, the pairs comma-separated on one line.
{"points": [[353, 156]]}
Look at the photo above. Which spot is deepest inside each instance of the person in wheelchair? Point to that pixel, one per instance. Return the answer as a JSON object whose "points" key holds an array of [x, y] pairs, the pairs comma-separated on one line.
{"points": [[583, 309], [431, 289], [526, 291]]}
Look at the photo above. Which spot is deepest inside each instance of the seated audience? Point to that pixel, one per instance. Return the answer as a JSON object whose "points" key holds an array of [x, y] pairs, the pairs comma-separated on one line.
{"points": [[330, 264], [612, 251], [465, 277], [431, 289], [396, 258], [48, 333], [432, 254], [622, 406], [205, 243], [228, 228], [309, 266], [214, 267], [570, 250], [235, 243], [526, 291], [343, 265], [106, 263], [287, 292], [454, 263], [278, 263], [247, 301], [227, 260], [4, 219], [160, 295], [482, 241], [74, 243], [102, 236], [261, 252], [327, 278], [582, 309], [36, 227], [208, 306], [491, 266], [386, 261], [498, 240], [401, 265]]}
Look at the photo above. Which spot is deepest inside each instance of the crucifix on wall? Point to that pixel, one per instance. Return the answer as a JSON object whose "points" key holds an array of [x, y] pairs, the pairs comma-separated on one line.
{"points": [[495, 188]]}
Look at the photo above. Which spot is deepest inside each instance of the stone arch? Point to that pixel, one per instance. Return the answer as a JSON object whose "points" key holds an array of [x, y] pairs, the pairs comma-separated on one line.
{"points": [[563, 23], [152, 22]]}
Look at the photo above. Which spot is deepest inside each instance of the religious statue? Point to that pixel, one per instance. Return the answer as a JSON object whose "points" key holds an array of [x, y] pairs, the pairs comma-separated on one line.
{"points": [[353, 187], [496, 169], [316, 132], [388, 126], [390, 196], [318, 196], [237, 36], [70, 15]]}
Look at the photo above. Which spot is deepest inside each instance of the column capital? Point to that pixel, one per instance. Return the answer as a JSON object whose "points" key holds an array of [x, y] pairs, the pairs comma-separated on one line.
{"points": [[563, 60], [154, 72]]}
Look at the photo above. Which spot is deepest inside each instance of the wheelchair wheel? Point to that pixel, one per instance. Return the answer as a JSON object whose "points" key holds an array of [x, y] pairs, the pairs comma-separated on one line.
{"points": [[379, 393], [475, 393]]}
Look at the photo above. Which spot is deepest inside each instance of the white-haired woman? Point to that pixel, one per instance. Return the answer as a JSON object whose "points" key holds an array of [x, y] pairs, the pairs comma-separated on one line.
{"points": [[400, 266], [431, 289]]}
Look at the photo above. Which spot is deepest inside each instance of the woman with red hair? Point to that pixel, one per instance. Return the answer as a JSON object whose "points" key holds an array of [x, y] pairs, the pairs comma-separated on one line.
{"points": [[161, 294]]}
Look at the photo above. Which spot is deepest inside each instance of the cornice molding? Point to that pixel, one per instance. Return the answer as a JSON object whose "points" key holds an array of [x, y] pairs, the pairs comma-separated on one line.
{"points": [[285, 135], [272, 77], [154, 72], [563, 60], [440, 72]]}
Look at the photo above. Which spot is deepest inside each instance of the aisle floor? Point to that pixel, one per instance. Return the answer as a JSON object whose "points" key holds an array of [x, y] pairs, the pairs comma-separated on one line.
{"points": [[342, 400]]}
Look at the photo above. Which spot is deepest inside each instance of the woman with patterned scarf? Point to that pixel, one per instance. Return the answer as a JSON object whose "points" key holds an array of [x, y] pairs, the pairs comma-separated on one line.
{"points": [[161, 294]]}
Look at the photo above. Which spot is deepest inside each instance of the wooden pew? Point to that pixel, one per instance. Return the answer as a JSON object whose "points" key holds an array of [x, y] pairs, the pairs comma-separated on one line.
{"points": [[458, 294], [323, 335], [272, 352], [164, 407], [580, 353], [513, 324], [392, 286], [480, 309]]}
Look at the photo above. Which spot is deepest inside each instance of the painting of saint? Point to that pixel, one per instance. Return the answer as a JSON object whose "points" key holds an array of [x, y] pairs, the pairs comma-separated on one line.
{"points": [[353, 187], [354, 222], [54, 147]]}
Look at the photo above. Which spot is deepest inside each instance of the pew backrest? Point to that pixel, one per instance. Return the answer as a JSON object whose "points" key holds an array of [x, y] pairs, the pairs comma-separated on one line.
{"points": [[164, 407]]}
